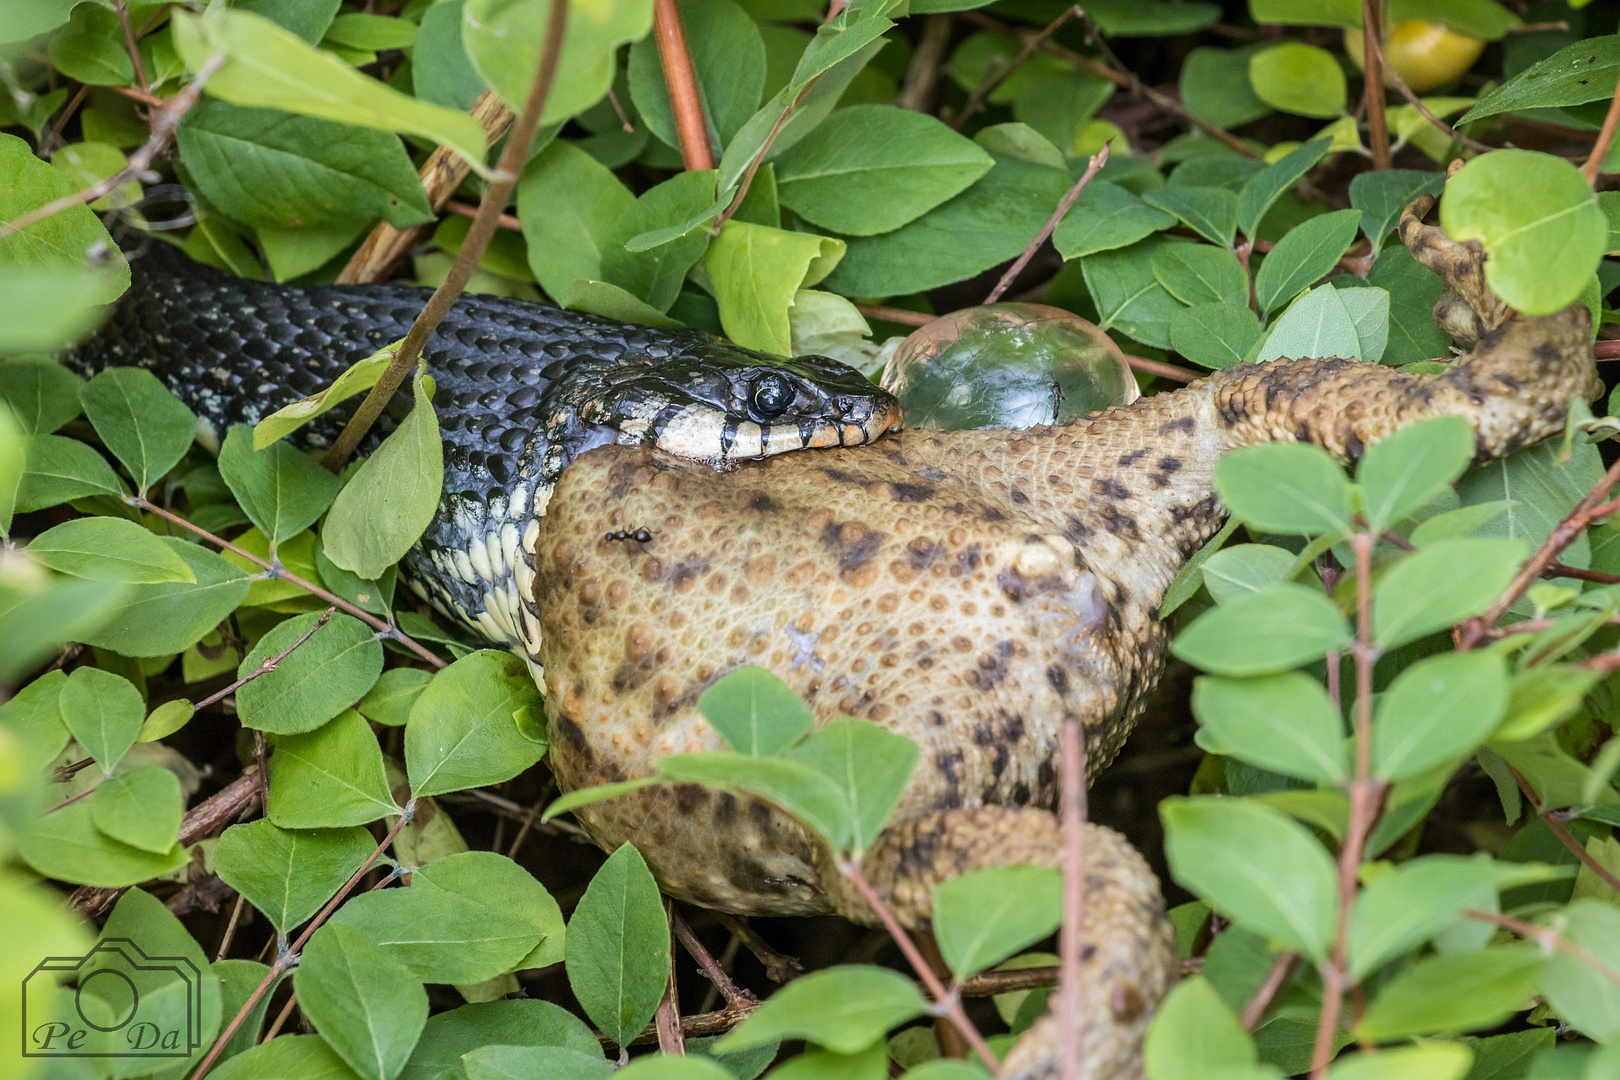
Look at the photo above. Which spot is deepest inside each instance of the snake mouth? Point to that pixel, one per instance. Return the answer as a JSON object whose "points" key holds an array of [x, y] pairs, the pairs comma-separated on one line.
{"points": [[884, 417]]}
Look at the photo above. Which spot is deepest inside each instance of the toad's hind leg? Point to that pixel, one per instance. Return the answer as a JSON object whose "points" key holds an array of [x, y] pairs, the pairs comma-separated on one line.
{"points": [[1128, 956]]}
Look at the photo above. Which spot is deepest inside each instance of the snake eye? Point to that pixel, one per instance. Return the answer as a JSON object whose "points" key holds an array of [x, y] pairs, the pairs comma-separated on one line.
{"points": [[771, 395]]}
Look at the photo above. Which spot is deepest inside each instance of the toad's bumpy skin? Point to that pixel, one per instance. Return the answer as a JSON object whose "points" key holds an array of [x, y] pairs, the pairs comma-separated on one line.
{"points": [[970, 590]]}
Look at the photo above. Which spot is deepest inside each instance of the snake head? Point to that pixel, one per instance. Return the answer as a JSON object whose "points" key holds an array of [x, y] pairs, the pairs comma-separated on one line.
{"points": [[723, 403]]}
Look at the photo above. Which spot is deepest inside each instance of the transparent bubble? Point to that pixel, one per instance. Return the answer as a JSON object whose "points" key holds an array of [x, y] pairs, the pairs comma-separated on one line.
{"points": [[1007, 366]]}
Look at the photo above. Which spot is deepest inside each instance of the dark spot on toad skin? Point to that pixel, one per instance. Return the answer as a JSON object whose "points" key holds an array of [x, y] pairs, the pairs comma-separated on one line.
{"points": [[852, 554], [1184, 424], [990, 513], [921, 552], [761, 503], [1110, 489], [912, 493], [1057, 679], [1118, 522], [1076, 531], [1017, 495], [1169, 464], [968, 561], [1127, 460], [983, 735]]}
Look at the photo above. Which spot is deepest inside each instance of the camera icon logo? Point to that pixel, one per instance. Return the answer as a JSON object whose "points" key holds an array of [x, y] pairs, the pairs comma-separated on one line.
{"points": [[114, 1001]]}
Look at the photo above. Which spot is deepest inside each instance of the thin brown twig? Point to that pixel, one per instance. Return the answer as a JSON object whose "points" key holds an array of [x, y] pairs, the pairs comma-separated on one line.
{"points": [[680, 77], [917, 91], [1255, 1010], [1072, 747], [129, 43], [1098, 160], [282, 573], [1589, 509], [1547, 938], [1607, 350], [1560, 830], [164, 123], [281, 1017], [505, 221], [496, 196], [667, 1020], [696, 1025], [1600, 149], [995, 75], [268, 665], [946, 1001], [1125, 80], [707, 964], [779, 967], [230, 929], [523, 830], [285, 960], [1372, 94], [54, 134], [139, 95], [759, 159], [1375, 53], [1558, 570]]}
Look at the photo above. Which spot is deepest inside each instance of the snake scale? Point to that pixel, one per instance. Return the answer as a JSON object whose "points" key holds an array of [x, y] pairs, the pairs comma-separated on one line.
{"points": [[970, 590]]}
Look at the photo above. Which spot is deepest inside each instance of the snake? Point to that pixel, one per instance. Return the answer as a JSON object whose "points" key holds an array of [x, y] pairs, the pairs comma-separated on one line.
{"points": [[522, 389], [974, 591]]}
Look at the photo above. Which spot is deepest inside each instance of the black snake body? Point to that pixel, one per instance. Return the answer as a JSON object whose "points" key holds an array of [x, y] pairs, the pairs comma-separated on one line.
{"points": [[522, 389]]}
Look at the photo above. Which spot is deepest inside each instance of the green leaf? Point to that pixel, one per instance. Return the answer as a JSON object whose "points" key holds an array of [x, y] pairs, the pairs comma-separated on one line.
{"points": [[1441, 585], [372, 33], [108, 549], [90, 48], [141, 808], [1543, 231], [516, 1022], [528, 1062], [1413, 288], [1449, 994], [389, 702], [1198, 274], [1382, 195], [59, 469], [390, 500], [67, 846], [1214, 335], [1267, 631], [1319, 324], [507, 890], [1404, 470], [1246, 568], [147, 428], [1215, 87], [871, 168], [289, 875], [1574, 75], [237, 981], [289, 1057], [1127, 294], [318, 680], [1195, 1035], [1435, 1061], [1438, 710], [466, 729], [989, 223], [613, 302], [757, 271], [1543, 696], [282, 491], [1581, 996], [754, 711], [1261, 869], [1261, 191], [798, 789], [844, 1009], [65, 242], [1104, 217], [358, 376], [271, 67], [655, 274], [166, 618], [663, 1067], [503, 41], [42, 394], [104, 711], [440, 70], [1285, 723], [984, 916], [869, 765], [568, 203], [365, 1003], [34, 714], [1285, 488], [1309, 252], [441, 935], [1403, 908], [1208, 211], [1300, 79], [273, 170], [330, 777], [618, 947], [728, 57]]}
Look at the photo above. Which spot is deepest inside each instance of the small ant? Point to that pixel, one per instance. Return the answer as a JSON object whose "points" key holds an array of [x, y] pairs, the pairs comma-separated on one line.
{"points": [[640, 536]]}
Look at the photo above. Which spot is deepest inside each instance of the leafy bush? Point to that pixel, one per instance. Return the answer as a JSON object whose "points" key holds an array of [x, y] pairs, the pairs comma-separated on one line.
{"points": [[178, 617]]}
